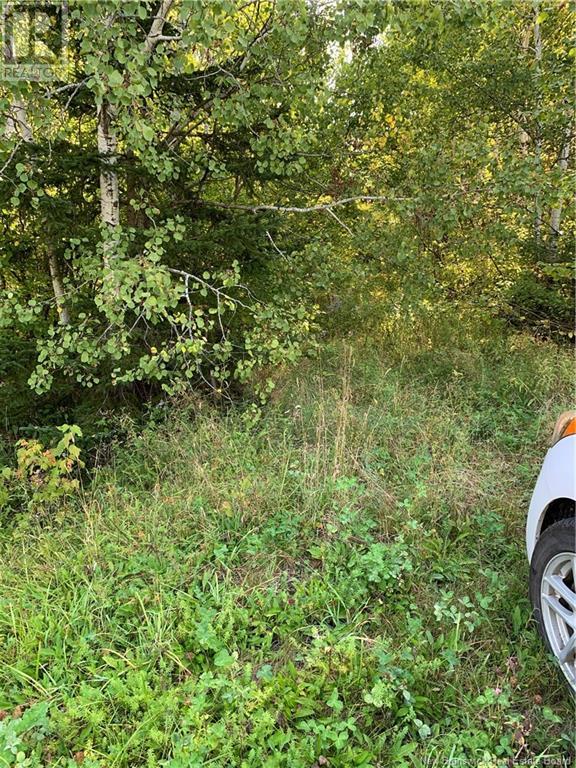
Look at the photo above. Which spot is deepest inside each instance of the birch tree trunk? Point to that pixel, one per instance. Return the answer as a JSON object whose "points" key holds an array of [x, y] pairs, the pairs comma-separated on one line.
{"points": [[17, 124], [58, 287], [523, 135], [107, 141], [107, 148], [155, 34], [538, 142], [556, 213]]}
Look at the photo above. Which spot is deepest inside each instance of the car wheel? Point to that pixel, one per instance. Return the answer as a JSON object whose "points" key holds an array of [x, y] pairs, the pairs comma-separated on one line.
{"points": [[553, 593]]}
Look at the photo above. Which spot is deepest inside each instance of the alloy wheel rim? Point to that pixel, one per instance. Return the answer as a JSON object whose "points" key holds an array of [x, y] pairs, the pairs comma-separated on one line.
{"points": [[558, 605]]}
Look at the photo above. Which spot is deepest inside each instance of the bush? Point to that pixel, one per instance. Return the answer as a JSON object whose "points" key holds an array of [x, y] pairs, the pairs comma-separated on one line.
{"points": [[543, 302], [42, 475]]}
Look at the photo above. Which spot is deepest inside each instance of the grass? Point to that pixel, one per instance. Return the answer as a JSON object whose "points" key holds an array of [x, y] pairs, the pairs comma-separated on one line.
{"points": [[342, 584]]}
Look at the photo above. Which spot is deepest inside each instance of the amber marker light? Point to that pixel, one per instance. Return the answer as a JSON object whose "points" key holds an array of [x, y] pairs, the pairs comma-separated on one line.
{"points": [[565, 425]]}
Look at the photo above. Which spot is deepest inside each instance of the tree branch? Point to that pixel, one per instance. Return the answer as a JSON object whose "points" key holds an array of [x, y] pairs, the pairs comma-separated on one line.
{"points": [[155, 35], [218, 292], [310, 208]]}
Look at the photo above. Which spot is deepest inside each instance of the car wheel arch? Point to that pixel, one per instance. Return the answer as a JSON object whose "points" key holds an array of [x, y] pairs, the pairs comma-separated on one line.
{"points": [[562, 508]]}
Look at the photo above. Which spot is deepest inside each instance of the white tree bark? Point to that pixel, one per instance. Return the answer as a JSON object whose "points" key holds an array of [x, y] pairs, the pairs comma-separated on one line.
{"points": [[107, 148], [523, 135], [155, 34], [556, 213], [107, 141], [18, 125], [58, 287], [538, 142]]}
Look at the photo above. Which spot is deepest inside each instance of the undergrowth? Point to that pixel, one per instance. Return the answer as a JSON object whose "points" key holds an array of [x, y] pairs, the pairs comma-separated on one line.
{"points": [[343, 583]]}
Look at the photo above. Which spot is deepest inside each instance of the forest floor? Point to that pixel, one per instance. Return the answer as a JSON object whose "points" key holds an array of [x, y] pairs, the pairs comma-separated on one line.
{"points": [[342, 584]]}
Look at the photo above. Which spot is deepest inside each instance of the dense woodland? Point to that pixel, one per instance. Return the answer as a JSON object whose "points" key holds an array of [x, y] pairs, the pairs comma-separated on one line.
{"points": [[286, 316], [196, 193]]}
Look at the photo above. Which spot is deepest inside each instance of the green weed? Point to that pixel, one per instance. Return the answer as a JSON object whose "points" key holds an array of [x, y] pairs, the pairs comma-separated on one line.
{"points": [[342, 584]]}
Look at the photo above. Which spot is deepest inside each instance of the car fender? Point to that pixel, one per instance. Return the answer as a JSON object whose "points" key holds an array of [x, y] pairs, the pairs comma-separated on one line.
{"points": [[557, 480]]}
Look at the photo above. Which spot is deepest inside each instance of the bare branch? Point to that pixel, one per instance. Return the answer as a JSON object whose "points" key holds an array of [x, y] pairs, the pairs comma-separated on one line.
{"points": [[15, 148], [167, 38], [69, 87], [310, 208], [218, 292], [278, 251], [339, 220]]}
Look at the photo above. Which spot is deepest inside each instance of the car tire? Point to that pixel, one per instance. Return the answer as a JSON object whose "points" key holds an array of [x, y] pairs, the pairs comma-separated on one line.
{"points": [[553, 593]]}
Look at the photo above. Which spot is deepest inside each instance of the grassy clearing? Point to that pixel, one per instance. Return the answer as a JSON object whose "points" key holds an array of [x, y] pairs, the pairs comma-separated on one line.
{"points": [[344, 584]]}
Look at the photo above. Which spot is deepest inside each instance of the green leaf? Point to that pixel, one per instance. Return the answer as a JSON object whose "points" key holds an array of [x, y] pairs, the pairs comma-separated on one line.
{"points": [[115, 78], [223, 658]]}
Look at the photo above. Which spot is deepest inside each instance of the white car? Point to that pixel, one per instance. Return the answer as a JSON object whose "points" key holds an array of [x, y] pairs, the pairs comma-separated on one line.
{"points": [[550, 542]]}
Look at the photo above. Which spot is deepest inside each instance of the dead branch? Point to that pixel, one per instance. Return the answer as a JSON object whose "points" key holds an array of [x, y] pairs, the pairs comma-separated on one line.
{"points": [[310, 208]]}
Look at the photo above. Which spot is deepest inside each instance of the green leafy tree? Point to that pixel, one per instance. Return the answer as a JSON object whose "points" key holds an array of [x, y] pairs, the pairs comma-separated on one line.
{"points": [[203, 178], [117, 184]]}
